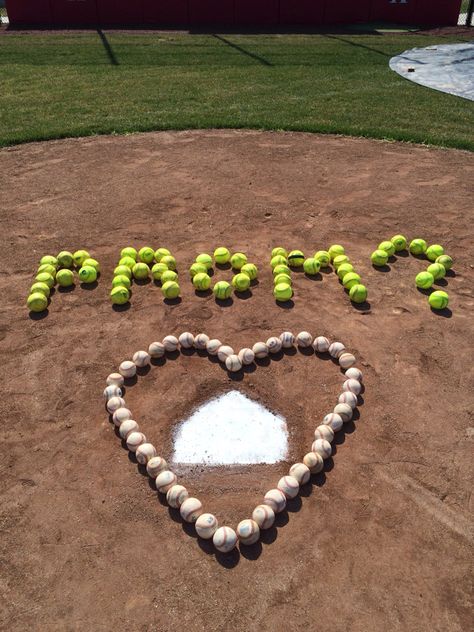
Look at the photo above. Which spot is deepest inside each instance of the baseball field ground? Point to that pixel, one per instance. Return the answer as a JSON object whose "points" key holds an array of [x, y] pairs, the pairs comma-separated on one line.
{"points": [[190, 143]]}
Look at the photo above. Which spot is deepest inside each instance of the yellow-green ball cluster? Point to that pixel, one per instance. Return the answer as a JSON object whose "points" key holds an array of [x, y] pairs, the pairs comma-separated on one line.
{"points": [[323, 257], [165, 271], [399, 242], [199, 272], [54, 270], [248, 272], [45, 280], [435, 271], [87, 267], [120, 291], [140, 265], [387, 249], [280, 264], [347, 274], [335, 251], [205, 260]]}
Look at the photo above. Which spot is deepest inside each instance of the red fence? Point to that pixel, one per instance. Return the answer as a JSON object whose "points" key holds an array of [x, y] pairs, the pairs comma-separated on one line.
{"points": [[233, 13]]}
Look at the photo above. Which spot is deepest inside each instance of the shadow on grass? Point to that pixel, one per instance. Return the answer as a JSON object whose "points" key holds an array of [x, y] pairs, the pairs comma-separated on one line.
{"points": [[259, 58], [108, 48]]}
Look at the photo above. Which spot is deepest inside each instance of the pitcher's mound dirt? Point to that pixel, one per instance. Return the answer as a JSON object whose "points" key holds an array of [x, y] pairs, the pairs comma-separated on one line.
{"points": [[383, 540]]}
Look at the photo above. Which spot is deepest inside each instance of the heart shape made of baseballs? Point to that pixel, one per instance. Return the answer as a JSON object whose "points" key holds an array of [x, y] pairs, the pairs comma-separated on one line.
{"points": [[247, 531]]}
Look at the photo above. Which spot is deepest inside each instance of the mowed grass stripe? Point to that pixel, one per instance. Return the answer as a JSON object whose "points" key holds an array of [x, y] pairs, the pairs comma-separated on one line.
{"points": [[56, 86]]}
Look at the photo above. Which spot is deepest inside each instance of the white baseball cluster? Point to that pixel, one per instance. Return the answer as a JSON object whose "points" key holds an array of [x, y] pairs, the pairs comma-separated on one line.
{"points": [[263, 516]]}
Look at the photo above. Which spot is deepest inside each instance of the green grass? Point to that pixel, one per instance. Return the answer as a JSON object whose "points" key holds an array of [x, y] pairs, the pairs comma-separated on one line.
{"points": [[55, 86]]}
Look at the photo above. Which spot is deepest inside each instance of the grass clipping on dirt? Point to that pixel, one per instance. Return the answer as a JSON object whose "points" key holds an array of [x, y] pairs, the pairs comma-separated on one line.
{"points": [[56, 86]]}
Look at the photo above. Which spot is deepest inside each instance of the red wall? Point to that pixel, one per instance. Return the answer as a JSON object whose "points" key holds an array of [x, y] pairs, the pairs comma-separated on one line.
{"points": [[347, 11], [73, 12], [203, 12], [302, 12], [166, 12], [116, 12], [22, 12], [256, 12], [247, 13]]}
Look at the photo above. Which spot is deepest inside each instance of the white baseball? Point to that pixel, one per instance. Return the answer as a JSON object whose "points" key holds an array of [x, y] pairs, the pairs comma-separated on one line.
{"points": [[301, 472], [114, 403], [165, 481], [115, 378], [186, 340], [333, 420], [224, 539], [304, 339], [145, 452], [348, 398], [321, 344], [289, 486], [121, 414], [224, 352], [264, 516], [322, 447], [134, 439], [112, 391], [324, 432], [127, 368], [141, 358], [200, 341], [260, 350], [346, 360], [336, 349], [191, 509], [156, 465], [170, 343], [233, 363], [156, 350], [344, 410], [176, 496], [314, 462], [248, 532], [274, 344], [126, 427], [213, 346], [353, 386], [287, 339], [206, 525], [246, 356], [354, 374], [275, 499]]}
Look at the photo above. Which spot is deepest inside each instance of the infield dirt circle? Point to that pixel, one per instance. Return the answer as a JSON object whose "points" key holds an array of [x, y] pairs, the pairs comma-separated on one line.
{"points": [[383, 539]]}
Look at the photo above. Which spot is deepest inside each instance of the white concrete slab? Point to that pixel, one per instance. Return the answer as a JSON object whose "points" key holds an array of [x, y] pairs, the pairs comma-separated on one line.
{"points": [[231, 429], [447, 67]]}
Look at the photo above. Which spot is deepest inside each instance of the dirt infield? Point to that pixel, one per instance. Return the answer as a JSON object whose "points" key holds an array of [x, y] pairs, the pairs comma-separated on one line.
{"points": [[383, 540]]}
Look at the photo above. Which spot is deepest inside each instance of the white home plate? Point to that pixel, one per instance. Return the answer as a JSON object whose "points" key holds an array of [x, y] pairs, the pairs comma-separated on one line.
{"points": [[231, 429], [448, 68]]}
